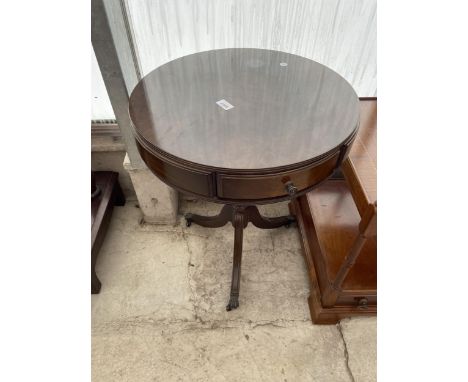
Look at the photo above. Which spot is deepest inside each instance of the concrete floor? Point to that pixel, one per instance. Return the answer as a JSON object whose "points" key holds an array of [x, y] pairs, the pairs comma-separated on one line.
{"points": [[161, 313]]}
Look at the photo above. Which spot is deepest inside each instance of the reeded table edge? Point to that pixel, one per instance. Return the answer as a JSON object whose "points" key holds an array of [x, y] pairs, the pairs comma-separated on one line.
{"points": [[159, 153], [214, 173]]}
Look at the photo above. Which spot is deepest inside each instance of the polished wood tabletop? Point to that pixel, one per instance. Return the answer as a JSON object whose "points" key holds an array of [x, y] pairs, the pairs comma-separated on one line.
{"points": [[286, 109]]}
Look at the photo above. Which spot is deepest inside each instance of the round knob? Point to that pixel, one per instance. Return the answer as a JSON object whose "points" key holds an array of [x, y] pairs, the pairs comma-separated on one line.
{"points": [[290, 188], [362, 303]]}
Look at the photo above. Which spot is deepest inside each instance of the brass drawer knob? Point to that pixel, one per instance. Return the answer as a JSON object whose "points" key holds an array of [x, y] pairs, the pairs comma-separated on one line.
{"points": [[290, 188]]}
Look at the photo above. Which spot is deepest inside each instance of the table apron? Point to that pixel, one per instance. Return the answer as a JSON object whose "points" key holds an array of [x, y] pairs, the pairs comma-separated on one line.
{"points": [[267, 186]]}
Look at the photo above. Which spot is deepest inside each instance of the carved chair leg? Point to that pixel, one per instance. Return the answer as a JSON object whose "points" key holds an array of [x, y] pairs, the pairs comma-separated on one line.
{"points": [[260, 221], [239, 222], [219, 220]]}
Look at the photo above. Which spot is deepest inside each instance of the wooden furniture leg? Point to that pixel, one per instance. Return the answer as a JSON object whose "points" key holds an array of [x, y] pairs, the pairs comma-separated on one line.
{"points": [[219, 220], [260, 221], [239, 222], [239, 216]]}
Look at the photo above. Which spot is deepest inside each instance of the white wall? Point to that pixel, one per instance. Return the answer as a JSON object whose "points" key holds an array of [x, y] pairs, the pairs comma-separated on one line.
{"points": [[338, 33]]}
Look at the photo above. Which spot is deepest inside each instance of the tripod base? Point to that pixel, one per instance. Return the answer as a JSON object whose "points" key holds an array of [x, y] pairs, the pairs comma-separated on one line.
{"points": [[239, 216]]}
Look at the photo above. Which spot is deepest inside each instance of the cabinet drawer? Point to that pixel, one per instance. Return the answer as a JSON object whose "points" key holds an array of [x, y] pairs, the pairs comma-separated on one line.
{"points": [[181, 178], [249, 187]]}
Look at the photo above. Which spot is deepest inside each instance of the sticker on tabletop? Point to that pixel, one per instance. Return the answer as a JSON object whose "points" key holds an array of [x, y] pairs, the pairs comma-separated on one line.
{"points": [[224, 104]]}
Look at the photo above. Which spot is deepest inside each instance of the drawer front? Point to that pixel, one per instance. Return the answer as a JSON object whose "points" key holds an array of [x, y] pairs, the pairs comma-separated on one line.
{"points": [[183, 179], [249, 187]]}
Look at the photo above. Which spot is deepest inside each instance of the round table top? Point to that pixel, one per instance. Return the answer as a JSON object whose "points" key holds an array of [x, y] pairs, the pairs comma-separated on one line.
{"points": [[244, 109]]}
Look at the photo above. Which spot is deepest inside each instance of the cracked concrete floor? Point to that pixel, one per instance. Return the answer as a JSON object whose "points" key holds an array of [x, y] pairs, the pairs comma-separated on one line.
{"points": [[161, 313]]}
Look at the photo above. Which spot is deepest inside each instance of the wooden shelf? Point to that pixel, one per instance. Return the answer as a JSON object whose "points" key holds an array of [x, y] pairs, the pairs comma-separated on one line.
{"points": [[337, 222]]}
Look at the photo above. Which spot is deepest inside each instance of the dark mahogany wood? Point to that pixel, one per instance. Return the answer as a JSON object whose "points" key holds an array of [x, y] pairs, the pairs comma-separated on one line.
{"points": [[105, 193], [291, 123], [291, 126], [282, 115]]}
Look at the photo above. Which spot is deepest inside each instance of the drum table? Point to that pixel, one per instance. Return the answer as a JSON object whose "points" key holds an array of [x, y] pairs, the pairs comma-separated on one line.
{"points": [[242, 127]]}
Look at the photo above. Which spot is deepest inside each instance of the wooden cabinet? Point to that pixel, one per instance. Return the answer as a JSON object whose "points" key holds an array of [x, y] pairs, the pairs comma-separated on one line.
{"points": [[338, 226]]}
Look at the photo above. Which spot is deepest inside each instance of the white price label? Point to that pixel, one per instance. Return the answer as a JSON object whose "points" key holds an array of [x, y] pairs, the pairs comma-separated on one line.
{"points": [[224, 104]]}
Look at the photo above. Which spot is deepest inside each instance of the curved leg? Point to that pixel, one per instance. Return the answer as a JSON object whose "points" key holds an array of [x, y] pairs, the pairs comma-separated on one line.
{"points": [[260, 221], [219, 220], [239, 216], [239, 223]]}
